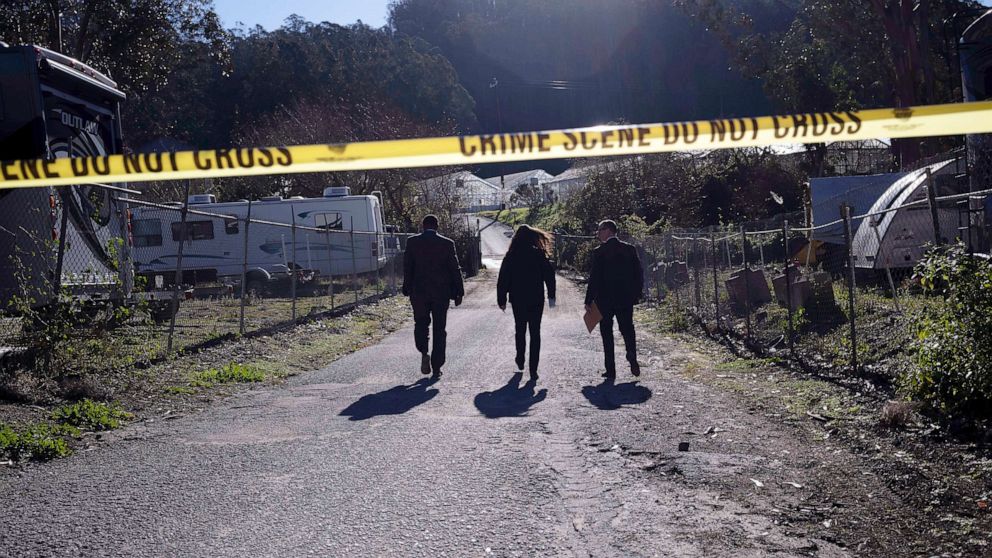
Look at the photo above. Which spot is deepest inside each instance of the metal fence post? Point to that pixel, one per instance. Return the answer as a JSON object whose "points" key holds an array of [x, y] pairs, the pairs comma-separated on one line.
{"points": [[60, 258], [788, 286], [295, 266], [934, 216], [64, 196], [374, 254], [330, 271], [658, 268], [354, 263], [846, 215], [59, 264], [716, 279], [179, 268], [674, 287], [747, 286], [244, 271], [695, 275]]}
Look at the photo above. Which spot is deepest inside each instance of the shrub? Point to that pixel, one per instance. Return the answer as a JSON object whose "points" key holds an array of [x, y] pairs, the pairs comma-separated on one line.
{"points": [[38, 441], [582, 261], [91, 415], [953, 370], [678, 321], [897, 414], [231, 374]]}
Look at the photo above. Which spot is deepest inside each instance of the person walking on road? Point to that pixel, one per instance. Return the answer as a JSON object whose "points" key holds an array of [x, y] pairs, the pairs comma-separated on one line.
{"points": [[525, 271], [431, 277], [616, 283]]}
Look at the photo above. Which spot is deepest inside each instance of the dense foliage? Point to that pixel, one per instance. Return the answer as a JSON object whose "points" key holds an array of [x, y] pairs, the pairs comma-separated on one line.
{"points": [[954, 354], [844, 54], [533, 64], [683, 190]]}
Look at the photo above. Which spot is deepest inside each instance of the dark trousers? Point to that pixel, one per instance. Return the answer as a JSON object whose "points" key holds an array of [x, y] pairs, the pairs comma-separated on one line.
{"points": [[625, 320], [524, 316], [425, 311]]}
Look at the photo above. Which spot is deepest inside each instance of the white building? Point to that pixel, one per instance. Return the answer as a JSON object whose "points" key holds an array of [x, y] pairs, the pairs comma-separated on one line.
{"points": [[573, 180], [513, 183], [470, 192]]}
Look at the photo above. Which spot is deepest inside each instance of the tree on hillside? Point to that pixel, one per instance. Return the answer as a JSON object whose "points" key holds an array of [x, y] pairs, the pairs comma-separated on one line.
{"points": [[847, 54], [139, 43], [152, 48], [327, 120], [565, 63], [688, 190], [351, 64]]}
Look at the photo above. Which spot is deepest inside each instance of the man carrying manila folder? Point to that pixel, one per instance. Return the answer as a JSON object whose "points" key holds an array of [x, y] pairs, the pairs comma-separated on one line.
{"points": [[431, 277], [615, 286]]}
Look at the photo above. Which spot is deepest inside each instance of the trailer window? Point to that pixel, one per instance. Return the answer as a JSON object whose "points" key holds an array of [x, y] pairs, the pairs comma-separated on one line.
{"points": [[195, 230], [329, 221], [231, 225], [147, 232]]}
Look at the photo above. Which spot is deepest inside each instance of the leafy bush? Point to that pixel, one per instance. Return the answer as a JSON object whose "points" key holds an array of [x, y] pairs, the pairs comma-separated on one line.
{"points": [[512, 217], [678, 320], [231, 374], [582, 261], [91, 415], [38, 441], [954, 353]]}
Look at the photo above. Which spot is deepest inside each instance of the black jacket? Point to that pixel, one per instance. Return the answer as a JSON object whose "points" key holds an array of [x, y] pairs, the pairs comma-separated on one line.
{"points": [[523, 275], [617, 278], [430, 268]]}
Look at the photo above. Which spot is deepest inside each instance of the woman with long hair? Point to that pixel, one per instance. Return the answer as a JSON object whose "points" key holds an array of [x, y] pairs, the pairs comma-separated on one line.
{"points": [[525, 271]]}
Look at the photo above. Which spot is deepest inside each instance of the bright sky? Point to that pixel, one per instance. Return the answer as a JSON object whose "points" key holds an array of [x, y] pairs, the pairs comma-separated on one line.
{"points": [[271, 14]]}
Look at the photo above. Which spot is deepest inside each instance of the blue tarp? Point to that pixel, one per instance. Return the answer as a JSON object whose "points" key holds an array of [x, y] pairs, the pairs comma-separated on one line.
{"points": [[860, 192]]}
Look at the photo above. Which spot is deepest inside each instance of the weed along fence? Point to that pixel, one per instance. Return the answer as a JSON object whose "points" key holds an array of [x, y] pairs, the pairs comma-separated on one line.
{"points": [[839, 292], [180, 275]]}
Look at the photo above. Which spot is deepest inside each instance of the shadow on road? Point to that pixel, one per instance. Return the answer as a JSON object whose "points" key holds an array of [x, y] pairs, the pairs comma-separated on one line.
{"points": [[393, 401], [609, 395], [511, 400]]}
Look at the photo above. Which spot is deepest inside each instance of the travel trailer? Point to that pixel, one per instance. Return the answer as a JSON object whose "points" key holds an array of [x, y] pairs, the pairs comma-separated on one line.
{"points": [[53, 106], [217, 239], [898, 239]]}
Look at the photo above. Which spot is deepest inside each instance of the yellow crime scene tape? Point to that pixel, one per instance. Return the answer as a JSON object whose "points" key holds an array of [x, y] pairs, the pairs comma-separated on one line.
{"points": [[599, 141]]}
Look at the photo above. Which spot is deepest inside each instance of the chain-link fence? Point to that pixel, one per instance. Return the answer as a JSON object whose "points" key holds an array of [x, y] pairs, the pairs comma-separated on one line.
{"points": [[837, 295], [64, 261], [223, 269], [146, 280]]}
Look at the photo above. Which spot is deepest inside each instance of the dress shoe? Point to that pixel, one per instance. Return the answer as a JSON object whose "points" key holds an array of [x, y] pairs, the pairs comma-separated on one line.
{"points": [[534, 376], [436, 375], [520, 363], [635, 369], [425, 363], [609, 374]]}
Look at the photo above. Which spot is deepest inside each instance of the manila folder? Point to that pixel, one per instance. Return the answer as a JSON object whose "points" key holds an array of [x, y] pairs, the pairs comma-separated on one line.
{"points": [[592, 317]]}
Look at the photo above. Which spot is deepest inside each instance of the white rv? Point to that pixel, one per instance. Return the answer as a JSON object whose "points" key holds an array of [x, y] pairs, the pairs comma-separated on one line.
{"points": [[215, 246]]}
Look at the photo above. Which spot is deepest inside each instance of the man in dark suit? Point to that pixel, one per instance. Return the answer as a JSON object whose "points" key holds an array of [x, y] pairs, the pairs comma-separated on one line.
{"points": [[616, 282], [431, 277]]}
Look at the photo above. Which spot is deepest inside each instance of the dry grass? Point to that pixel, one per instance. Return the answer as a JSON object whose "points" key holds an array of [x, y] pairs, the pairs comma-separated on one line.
{"points": [[898, 414]]}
